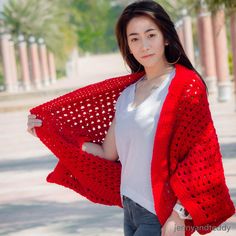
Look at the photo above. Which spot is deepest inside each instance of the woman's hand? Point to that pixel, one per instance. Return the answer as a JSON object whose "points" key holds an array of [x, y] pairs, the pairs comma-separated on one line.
{"points": [[32, 123], [174, 226]]}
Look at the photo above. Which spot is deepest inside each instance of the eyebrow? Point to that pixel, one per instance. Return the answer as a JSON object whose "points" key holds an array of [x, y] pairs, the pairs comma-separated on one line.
{"points": [[144, 32]]}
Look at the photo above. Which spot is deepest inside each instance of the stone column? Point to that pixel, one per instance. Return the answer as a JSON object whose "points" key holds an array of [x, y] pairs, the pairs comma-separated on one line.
{"points": [[188, 36], [52, 67], [9, 82], [180, 31], [13, 65], [233, 43], [72, 70], [24, 62], [200, 45], [206, 45], [44, 62], [35, 66], [221, 50]]}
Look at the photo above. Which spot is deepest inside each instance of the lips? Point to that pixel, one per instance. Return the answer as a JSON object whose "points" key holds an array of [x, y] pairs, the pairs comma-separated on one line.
{"points": [[146, 56]]}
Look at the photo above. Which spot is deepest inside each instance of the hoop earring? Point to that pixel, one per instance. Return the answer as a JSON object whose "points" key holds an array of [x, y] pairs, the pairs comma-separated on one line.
{"points": [[138, 68], [172, 63]]}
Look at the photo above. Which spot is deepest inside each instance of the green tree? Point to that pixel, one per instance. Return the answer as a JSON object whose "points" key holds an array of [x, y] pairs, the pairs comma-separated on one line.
{"points": [[43, 19], [95, 21], [230, 5]]}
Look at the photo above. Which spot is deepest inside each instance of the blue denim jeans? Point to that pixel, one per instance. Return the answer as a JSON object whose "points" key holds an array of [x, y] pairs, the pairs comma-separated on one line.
{"points": [[138, 221]]}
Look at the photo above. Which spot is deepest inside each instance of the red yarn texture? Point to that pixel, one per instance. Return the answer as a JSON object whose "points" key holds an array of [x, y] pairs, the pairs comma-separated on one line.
{"points": [[186, 163]]}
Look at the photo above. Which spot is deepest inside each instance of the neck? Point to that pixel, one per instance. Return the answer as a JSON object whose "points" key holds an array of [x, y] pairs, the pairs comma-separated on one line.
{"points": [[157, 71]]}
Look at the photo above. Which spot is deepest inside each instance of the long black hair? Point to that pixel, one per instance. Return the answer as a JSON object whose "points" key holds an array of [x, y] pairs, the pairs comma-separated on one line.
{"points": [[174, 51]]}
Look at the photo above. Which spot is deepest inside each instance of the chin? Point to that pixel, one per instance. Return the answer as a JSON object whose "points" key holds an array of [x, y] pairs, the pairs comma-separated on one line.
{"points": [[152, 63], [149, 65]]}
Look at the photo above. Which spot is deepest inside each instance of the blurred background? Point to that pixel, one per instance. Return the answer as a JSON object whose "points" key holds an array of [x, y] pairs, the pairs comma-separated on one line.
{"points": [[49, 48]]}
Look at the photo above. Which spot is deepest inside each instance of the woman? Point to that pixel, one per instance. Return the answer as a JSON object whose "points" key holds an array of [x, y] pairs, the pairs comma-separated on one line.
{"points": [[141, 137]]}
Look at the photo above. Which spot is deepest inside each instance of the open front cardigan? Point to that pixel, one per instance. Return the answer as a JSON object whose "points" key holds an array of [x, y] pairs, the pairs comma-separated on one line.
{"points": [[186, 161]]}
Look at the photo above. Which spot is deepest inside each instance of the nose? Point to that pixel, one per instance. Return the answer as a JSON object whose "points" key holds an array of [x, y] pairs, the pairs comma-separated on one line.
{"points": [[145, 45]]}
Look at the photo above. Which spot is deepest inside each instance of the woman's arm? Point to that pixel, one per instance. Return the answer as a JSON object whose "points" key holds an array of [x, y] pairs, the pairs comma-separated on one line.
{"points": [[108, 149]]}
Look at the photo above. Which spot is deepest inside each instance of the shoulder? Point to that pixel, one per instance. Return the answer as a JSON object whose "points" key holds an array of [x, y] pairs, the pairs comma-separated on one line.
{"points": [[188, 76], [192, 83], [193, 89]]}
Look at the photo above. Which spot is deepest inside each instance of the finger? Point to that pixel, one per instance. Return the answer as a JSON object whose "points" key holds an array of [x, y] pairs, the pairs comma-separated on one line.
{"points": [[31, 121], [35, 120], [31, 116], [32, 131], [31, 126]]}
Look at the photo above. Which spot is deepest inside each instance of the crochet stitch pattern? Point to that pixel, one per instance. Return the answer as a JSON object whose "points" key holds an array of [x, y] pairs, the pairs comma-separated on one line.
{"points": [[186, 164], [196, 165], [69, 121]]}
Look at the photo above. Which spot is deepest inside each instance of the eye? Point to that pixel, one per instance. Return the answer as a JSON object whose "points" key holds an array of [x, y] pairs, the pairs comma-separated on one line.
{"points": [[151, 35], [133, 39]]}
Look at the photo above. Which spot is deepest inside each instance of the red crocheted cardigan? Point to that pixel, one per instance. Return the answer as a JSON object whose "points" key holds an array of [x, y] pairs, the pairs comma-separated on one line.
{"points": [[186, 162]]}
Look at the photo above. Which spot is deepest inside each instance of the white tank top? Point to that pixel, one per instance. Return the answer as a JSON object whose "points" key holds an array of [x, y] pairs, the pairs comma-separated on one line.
{"points": [[134, 133]]}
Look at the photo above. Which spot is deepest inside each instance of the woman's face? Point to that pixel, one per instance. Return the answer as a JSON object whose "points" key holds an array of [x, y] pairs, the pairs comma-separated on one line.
{"points": [[145, 41]]}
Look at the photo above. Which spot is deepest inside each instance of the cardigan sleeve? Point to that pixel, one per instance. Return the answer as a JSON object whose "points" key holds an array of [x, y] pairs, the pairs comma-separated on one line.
{"points": [[198, 180], [93, 177], [83, 115]]}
